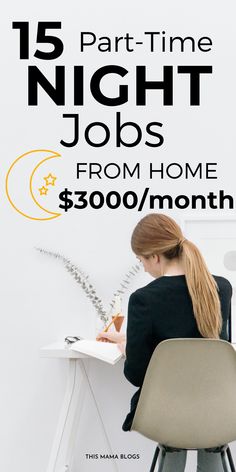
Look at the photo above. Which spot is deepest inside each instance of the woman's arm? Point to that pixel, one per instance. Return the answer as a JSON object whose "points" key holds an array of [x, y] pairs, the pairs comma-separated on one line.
{"points": [[139, 345], [113, 337]]}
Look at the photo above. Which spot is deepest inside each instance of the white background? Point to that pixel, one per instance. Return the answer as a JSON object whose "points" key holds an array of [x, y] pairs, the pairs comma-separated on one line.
{"points": [[40, 302]]}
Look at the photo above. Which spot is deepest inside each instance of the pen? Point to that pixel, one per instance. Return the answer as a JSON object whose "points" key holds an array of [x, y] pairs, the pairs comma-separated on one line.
{"points": [[112, 321]]}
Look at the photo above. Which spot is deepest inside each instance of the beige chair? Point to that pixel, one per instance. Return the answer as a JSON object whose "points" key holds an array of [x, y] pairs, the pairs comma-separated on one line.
{"points": [[188, 398]]}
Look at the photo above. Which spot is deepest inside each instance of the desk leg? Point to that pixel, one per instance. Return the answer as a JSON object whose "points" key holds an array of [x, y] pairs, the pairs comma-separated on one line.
{"points": [[65, 434], [105, 436], [63, 444]]}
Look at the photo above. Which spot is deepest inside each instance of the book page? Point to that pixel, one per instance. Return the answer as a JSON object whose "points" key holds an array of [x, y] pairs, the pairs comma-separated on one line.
{"points": [[107, 352]]}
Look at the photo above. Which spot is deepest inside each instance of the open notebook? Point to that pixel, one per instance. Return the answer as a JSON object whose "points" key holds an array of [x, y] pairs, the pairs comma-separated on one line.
{"points": [[107, 352]]}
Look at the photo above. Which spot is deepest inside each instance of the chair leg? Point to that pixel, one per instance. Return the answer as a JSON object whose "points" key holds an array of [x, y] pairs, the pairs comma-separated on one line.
{"points": [[162, 461], [154, 460], [223, 458], [230, 459]]}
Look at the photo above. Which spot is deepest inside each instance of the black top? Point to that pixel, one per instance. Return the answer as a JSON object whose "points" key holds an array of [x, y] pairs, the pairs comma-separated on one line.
{"points": [[162, 310]]}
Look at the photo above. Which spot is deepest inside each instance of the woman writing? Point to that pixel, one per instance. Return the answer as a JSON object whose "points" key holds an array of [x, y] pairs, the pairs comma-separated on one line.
{"points": [[183, 301]]}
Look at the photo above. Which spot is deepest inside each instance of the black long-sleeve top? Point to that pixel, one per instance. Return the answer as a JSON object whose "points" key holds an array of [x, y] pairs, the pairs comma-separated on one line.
{"points": [[162, 310]]}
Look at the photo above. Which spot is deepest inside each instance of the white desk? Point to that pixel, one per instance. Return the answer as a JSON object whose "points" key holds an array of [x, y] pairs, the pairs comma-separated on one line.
{"points": [[62, 449]]}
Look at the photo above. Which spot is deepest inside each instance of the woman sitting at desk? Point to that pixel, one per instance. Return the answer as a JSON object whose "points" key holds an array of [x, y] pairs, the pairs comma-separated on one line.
{"points": [[184, 301]]}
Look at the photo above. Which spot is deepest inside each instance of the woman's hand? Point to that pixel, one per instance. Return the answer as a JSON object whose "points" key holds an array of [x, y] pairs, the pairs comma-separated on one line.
{"points": [[112, 337]]}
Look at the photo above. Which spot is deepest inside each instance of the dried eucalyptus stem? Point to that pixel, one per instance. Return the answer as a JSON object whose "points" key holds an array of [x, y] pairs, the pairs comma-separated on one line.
{"points": [[125, 283], [83, 280]]}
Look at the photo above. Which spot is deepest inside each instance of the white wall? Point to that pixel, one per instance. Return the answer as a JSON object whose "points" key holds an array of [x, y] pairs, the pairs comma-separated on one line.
{"points": [[40, 302]]}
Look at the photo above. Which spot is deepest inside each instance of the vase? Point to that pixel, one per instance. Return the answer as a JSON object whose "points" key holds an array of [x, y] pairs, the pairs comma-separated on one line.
{"points": [[118, 322]]}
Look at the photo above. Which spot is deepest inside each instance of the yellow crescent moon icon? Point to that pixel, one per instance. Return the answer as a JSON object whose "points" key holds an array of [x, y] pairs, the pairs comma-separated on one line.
{"points": [[50, 155]]}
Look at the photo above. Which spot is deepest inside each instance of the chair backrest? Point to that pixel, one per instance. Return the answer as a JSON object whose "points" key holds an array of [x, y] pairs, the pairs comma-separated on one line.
{"points": [[188, 398]]}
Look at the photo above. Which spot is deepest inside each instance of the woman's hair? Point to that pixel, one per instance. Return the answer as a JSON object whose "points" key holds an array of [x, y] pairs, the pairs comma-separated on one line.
{"points": [[159, 234]]}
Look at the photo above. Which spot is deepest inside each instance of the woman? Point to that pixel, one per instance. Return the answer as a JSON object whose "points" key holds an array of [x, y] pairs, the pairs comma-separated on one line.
{"points": [[184, 301]]}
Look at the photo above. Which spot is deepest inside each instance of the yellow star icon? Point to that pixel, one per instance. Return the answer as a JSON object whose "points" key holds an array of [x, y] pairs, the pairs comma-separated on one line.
{"points": [[43, 190], [50, 179]]}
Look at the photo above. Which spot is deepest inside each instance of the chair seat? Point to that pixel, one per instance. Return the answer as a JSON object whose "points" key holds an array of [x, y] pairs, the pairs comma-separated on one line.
{"points": [[188, 398]]}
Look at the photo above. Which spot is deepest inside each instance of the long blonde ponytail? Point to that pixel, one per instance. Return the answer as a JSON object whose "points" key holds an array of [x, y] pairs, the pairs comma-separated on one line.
{"points": [[203, 291], [159, 234]]}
